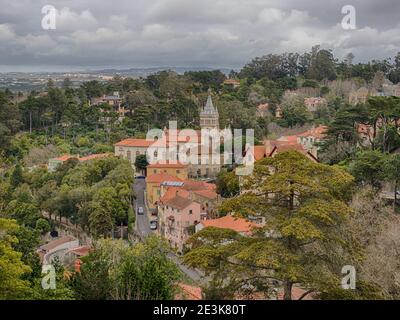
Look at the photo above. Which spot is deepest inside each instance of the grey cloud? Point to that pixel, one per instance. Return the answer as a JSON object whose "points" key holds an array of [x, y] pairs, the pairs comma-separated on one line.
{"points": [[225, 33]]}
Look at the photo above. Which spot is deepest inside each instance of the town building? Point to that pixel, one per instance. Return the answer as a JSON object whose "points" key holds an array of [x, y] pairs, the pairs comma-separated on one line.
{"points": [[206, 162], [56, 249], [312, 103], [234, 83], [153, 187], [262, 110], [55, 162], [173, 169], [209, 116], [115, 101], [181, 206]]}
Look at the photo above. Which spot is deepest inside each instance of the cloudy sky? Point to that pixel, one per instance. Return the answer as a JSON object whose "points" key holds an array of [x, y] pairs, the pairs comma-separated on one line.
{"points": [[201, 33]]}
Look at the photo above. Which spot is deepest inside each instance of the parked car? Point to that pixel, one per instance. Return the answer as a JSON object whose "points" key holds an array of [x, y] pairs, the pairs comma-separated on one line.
{"points": [[140, 210], [153, 225], [140, 177]]}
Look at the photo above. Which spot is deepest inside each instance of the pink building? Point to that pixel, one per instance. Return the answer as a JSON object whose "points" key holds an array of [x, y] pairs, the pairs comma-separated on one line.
{"points": [[178, 214]]}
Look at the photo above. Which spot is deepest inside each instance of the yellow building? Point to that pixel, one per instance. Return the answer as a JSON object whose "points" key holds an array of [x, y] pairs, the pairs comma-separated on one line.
{"points": [[178, 170], [153, 187]]}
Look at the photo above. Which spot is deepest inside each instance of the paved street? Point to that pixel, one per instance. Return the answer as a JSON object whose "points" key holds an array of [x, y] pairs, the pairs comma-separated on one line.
{"points": [[143, 229], [142, 221]]}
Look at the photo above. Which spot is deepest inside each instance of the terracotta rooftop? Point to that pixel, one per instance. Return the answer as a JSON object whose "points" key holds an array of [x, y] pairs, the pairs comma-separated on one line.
{"points": [[229, 222], [161, 177], [178, 202], [210, 194], [198, 185], [130, 142], [188, 292], [259, 152], [173, 192]]}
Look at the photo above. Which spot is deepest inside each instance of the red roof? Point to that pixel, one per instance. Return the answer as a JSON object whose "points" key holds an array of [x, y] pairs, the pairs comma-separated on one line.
{"points": [[130, 142], [189, 292], [173, 192], [198, 185], [178, 202], [229, 222], [161, 177], [259, 152]]}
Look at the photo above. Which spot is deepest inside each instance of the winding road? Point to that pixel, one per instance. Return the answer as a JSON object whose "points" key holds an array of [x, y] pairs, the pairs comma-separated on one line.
{"points": [[143, 230]]}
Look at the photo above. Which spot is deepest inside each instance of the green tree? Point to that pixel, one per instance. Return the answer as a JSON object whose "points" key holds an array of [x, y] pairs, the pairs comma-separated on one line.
{"points": [[9, 121], [141, 162], [115, 271], [228, 184], [43, 226], [16, 176], [12, 285], [392, 173], [303, 241], [368, 167]]}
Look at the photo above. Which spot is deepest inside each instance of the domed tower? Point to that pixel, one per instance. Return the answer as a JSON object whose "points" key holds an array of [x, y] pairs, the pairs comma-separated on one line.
{"points": [[209, 117]]}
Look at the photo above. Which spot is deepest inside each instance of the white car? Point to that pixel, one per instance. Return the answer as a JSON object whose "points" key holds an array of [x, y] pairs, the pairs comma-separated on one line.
{"points": [[153, 225], [140, 210]]}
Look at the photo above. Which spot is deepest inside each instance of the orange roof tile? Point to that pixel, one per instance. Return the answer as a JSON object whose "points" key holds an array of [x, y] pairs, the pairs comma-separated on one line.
{"points": [[229, 222], [172, 192], [161, 177], [210, 194], [130, 142], [198, 185], [189, 292], [259, 152]]}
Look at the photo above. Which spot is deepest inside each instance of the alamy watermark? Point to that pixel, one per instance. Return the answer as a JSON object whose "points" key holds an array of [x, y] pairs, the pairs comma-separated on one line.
{"points": [[349, 279], [205, 147], [49, 278], [49, 20], [349, 20]]}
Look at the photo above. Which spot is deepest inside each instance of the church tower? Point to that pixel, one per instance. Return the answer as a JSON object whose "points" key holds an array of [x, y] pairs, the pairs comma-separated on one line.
{"points": [[209, 117]]}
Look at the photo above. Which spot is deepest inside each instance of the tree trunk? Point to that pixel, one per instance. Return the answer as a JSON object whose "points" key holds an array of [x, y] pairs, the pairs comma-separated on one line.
{"points": [[287, 290]]}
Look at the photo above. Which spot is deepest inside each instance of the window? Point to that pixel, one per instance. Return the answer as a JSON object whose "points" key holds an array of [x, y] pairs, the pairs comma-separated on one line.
{"points": [[178, 171], [190, 211], [154, 171], [137, 153]]}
